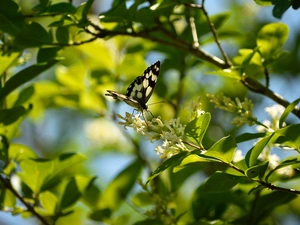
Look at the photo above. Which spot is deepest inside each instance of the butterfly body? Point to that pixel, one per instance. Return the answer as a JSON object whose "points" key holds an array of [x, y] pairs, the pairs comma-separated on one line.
{"points": [[140, 90]]}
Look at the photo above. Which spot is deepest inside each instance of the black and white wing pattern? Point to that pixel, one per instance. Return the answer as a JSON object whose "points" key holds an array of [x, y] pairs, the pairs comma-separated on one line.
{"points": [[140, 90]]}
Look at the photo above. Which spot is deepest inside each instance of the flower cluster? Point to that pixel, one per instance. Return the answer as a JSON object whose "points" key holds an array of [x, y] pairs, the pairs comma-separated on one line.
{"points": [[195, 109], [171, 132], [244, 109], [275, 113]]}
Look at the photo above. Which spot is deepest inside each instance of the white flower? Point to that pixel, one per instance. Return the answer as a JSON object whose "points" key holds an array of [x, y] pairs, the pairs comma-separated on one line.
{"points": [[286, 172], [273, 161], [238, 156], [275, 111]]}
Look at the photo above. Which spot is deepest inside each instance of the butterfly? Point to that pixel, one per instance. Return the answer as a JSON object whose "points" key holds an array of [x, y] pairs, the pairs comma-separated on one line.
{"points": [[140, 90]]}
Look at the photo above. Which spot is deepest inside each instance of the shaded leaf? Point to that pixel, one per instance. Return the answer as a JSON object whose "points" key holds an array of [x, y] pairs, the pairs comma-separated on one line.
{"points": [[220, 182], [287, 111], [9, 116], [286, 162], [119, 188], [47, 54], [24, 76], [257, 170], [11, 18], [166, 164], [195, 130], [24, 95], [269, 202], [289, 136], [32, 35], [101, 214], [248, 136], [253, 153], [62, 35], [62, 7]]}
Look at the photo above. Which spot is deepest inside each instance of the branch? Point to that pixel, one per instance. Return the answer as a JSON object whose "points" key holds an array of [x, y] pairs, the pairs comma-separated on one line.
{"points": [[8, 185], [214, 32], [257, 87]]}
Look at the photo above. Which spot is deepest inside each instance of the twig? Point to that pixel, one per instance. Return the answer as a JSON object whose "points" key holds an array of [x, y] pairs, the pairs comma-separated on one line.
{"points": [[257, 87], [7, 184], [267, 185], [194, 32], [191, 5], [214, 32]]}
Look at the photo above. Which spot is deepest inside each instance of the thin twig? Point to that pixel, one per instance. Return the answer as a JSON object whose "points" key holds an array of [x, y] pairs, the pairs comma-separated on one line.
{"points": [[7, 184], [191, 5], [214, 32], [257, 87], [194, 32]]}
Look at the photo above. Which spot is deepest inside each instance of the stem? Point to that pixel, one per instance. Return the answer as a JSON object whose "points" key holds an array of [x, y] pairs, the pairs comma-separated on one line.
{"points": [[8, 185], [214, 32], [257, 87]]}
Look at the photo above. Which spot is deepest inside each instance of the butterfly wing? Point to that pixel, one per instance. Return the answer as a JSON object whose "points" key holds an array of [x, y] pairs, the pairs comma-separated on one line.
{"points": [[142, 87]]}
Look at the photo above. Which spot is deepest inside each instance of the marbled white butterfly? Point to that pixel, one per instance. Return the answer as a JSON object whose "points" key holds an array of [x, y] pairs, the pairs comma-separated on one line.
{"points": [[140, 90]]}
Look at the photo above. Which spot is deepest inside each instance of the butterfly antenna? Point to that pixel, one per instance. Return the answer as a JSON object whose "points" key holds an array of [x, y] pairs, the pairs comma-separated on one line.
{"points": [[156, 103]]}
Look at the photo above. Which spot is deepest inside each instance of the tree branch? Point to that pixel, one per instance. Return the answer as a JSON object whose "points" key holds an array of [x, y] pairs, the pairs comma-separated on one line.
{"points": [[7, 184], [214, 32]]}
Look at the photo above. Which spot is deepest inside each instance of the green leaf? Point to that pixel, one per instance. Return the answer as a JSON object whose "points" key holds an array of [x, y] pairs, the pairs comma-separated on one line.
{"points": [[101, 214], [280, 7], [166, 164], [196, 129], [150, 222], [119, 188], [253, 153], [3, 151], [47, 54], [62, 7], [118, 13], [267, 203], [34, 173], [11, 18], [286, 162], [257, 170], [9, 116], [223, 149], [287, 111], [62, 35], [32, 35], [73, 191], [142, 199], [24, 95], [7, 198], [264, 2], [62, 163], [37, 174], [229, 73], [206, 203], [289, 136], [70, 195], [24, 76], [271, 38], [92, 194], [48, 201], [86, 9], [19, 152], [189, 159], [247, 60], [220, 182], [248, 136], [7, 61]]}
